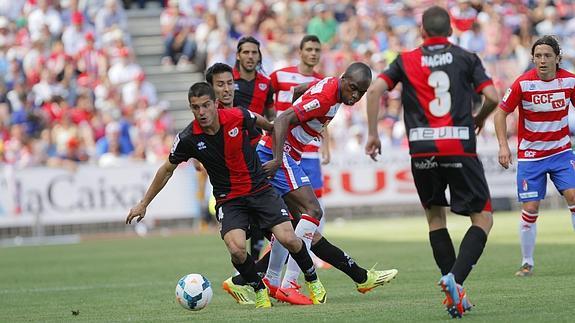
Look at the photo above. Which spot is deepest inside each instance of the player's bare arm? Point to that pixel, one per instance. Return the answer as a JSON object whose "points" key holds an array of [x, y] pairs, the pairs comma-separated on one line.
{"points": [[490, 103], [263, 123], [270, 112], [163, 174], [500, 120], [281, 125], [325, 148], [299, 91], [373, 144]]}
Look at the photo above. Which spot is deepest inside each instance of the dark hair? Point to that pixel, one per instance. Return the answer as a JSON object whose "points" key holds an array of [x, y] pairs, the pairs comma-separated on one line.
{"points": [[549, 41], [436, 21], [358, 68], [306, 38], [248, 39], [217, 68], [200, 89]]}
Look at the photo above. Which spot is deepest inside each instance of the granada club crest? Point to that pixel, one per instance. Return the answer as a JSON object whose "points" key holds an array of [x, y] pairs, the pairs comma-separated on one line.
{"points": [[524, 185], [263, 86], [234, 132]]}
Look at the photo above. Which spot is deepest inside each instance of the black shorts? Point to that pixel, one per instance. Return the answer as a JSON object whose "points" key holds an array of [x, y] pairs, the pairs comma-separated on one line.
{"points": [[465, 177], [265, 209]]}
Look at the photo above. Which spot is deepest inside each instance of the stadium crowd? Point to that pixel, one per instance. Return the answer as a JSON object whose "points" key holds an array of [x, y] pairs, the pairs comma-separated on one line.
{"points": [[70, 90]]}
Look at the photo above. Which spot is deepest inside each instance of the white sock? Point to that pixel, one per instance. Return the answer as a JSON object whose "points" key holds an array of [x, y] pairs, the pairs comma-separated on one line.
{"points": [[528, 233], [305, 229], [572, 209], [277, 260]]}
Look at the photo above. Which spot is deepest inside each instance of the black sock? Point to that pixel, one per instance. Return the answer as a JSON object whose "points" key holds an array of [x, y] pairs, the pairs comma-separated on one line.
{"points": [[469, 252], [257, 242], [443, 250], [339, 259], [305, 263], [261, 268], [248, 272]]}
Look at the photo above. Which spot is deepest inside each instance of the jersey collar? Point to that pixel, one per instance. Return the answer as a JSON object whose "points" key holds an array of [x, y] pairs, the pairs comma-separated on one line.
{"points": [[436, 41]]}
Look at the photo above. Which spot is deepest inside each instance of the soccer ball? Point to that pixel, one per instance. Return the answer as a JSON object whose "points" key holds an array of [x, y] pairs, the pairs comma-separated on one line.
{"points": [[194, 292]]}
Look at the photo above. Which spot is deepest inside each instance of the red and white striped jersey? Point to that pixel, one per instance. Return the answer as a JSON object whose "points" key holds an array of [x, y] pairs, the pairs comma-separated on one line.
{"points": [[283, 82], [543, 113], [314, 110]]}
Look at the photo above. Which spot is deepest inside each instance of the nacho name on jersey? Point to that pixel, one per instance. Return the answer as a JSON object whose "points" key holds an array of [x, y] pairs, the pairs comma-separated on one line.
{"points": [[437, 60]]}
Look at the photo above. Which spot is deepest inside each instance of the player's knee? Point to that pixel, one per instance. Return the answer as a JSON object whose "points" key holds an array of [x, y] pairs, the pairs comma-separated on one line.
{"points": [[314, 211], [484, 220], [291, 242]]}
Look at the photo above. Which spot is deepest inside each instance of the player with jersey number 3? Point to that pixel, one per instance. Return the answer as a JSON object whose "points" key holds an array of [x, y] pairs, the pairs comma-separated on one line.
{"points": [[438, 80], [543, 96]]}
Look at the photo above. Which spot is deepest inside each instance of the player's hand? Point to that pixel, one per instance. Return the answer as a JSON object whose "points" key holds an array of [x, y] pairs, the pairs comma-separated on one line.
{"points": [[138, 211], [504, 157], [373, 147], [271, 167]]}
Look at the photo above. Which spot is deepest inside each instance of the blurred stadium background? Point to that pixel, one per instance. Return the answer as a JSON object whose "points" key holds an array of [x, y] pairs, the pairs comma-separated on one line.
{"points": [[92, 93]]}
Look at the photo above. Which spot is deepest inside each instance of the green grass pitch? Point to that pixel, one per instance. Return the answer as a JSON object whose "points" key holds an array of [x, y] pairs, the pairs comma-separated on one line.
{"points": [[134, 279]]}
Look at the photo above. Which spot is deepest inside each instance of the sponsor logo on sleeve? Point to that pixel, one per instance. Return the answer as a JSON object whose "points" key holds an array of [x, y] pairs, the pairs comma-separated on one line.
{"points": [[175, 144], [312, 105], [507, 94]]}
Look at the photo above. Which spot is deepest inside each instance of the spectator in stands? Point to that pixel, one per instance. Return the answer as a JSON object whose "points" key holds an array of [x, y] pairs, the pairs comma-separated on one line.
{"points": [[124, 70], [44, 15], [139, 89], [117, 135], [473, 39], [179, 45], [110, 17], [74, 38], [323, 25]]}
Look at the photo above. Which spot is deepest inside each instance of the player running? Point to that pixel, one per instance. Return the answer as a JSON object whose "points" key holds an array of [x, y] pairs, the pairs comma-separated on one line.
{"points": [[438, 80], [543, 96], [293, 130], [219, 139]]}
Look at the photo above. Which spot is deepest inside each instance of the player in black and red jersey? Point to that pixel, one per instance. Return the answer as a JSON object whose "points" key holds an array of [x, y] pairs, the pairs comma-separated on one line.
{"points": [[439, 80], [253, 91], [219, 139]]}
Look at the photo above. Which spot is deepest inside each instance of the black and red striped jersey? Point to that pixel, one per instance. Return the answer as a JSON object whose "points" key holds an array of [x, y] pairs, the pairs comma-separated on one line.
{"points": [[438, 80], [231, 161], [255, 95]]}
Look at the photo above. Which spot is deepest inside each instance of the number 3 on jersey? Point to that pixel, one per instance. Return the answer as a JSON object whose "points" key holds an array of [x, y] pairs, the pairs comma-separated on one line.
{"points": [[441, 105]]}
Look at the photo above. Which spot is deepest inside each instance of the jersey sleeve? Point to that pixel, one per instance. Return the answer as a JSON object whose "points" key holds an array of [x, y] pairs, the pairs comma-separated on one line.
{"points": [[180, 152], [393, 74], [512, 97], [269, 104], [479, 77], [274, 85], [249, 122], [312, 106]]}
